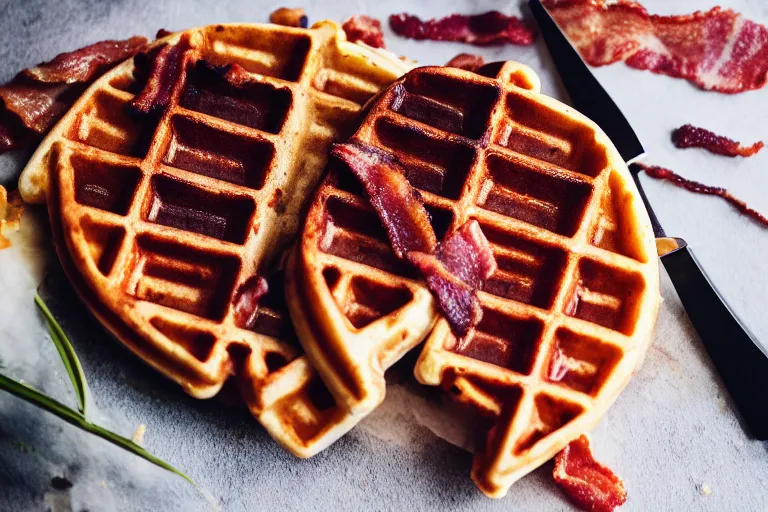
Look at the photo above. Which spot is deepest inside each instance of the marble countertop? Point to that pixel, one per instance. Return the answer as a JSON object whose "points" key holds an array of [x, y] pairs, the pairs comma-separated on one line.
{"points": [[671, 432]]}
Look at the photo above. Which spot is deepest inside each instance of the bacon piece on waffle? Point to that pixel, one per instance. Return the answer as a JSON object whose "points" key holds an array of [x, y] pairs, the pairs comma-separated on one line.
{"points": [[717, 50], [467, 255], [364, 29], [246, 302], [484, 29], [454, 269], [689, 136], [460, 265], [398, 205], [660, 173], [289, 17], [165, 76], [468, 61], [589, 485], [36, 98], [457, 300]]}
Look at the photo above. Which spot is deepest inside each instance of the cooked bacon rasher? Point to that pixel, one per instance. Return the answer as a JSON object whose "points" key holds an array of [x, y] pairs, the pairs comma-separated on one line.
{"points": [[37, 97], [689, 136], [589, 485], [660, 173], [454, 273], [485, 29], [166, 76], [717, 50], [398, 205], [364, 29], [456, 268]]}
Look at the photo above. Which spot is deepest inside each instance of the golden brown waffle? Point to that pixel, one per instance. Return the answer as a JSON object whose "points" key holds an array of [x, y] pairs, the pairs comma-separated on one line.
{"points": [[567, 316], [160, 224]]}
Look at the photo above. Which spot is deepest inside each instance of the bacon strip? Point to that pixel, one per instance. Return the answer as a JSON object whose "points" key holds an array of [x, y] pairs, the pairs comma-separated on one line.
{"points": [[398, 205], [454, 269], [717, 50], [484, 29], [468, 61], [36, 98], [364, 29], [661, 173], [246, 301], [38, 106], [588, 484], [689, 136], [84, 64], [460, 265], [166, 75], [467, 255]]}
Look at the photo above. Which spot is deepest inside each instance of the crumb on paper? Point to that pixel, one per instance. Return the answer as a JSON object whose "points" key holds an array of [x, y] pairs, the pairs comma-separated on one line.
{"points": [[705, 490], [103, 484], [138, 436], [11, 208]]}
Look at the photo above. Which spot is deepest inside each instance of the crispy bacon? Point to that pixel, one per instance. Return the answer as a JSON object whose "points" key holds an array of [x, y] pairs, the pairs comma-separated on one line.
{"points": [[459, 266], [484, 29], [166, 75], [454, 269], [289, 17], [717, 50], [398, 205], [467, 255], [364, 29], [590, 485], [456, 299], [38, 105], [246, 301], [661, 173], [468, 61], [689, 136], [36, 98], [83, 64]]}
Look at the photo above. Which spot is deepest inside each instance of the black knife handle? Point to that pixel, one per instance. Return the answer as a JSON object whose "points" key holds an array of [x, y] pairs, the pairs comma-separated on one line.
{"points": [[740, 362]]}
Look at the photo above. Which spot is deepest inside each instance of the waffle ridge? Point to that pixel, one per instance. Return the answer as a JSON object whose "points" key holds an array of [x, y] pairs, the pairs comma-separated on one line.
{"points": [[567, 316], [159, 224]]}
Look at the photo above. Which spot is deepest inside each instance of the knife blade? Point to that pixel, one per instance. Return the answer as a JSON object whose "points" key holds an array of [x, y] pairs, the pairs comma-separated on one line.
{"points": [[737, 357]]}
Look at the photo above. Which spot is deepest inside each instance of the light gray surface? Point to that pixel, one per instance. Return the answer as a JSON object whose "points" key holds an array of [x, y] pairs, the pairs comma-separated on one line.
{"points": [[671, 431]]}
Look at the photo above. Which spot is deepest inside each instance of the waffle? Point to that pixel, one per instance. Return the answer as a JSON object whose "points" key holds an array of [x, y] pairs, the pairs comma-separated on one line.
{"points": [[568, 314], [160, 225]]}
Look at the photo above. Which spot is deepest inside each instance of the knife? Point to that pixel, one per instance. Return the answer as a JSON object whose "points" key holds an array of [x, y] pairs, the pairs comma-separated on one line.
{"points": [[738, 358]]}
